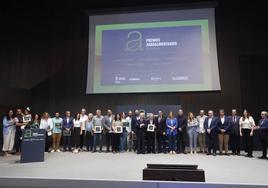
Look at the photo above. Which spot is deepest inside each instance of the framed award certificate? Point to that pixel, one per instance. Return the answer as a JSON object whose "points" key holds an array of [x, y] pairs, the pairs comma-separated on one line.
{"points": [[97, 129], [118, 129], [58, 125], [66, 133], [151, 128], [126, 124]]}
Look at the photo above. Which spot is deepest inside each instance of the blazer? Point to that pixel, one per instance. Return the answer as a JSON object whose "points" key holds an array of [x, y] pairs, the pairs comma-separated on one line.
{"points": [[173, 123], [68, 125], [234, 125], [213, 124], [161, 125], [263, 124], [107, 124], [141, 129], [182, 123], [225, 125]]}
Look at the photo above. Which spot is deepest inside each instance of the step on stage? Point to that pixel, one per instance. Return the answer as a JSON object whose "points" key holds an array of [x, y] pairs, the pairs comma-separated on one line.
{"points": [[125, 170]]}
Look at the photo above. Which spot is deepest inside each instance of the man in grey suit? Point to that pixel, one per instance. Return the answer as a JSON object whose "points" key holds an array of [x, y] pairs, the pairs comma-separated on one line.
{"points": [[107, 124], [235, 135]]}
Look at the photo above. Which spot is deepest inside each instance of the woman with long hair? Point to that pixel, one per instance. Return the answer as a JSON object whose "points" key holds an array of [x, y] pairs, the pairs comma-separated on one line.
{"points": [[77, 132], [247, 124], [172, 125], [47, 124], [9, 130], [192, 125], [117, 122]]}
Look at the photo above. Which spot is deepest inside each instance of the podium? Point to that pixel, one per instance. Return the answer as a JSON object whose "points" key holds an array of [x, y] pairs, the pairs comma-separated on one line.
{"points": [[173, 172], [33, 145]]}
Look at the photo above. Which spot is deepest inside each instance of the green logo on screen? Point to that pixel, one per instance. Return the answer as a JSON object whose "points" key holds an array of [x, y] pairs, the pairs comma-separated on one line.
{"points": [[134, 41]]}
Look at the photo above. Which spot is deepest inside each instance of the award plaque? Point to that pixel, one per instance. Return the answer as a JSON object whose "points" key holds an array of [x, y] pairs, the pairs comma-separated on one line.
{"points": [[58, 125], [97, 129], [151, 128], [118, 129], [126, 124], [66, 133]]}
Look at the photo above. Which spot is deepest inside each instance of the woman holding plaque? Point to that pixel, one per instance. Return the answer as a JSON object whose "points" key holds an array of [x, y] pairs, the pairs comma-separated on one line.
{"points": [[151, 122], [172, 125], [27, 118], [77, 132], [117, 131], [47, 124], [192, 125], [123, 137], [36, 122], [57, 131], [9, 129]]}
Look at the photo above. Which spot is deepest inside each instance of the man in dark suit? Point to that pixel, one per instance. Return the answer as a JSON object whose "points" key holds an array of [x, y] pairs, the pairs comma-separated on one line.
{"points": [[107, 124], [182, 132], [223, 128], [262, 129], [210, 125], [161, 132], [234, 133], [67, 125], [141, 126], [134, 122]]}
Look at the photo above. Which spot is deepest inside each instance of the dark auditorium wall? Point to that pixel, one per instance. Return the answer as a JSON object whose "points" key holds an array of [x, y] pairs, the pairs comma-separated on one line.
{"points": [[45, 49]]}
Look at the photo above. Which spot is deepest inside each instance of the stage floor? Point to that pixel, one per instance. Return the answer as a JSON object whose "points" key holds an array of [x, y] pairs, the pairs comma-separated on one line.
{"points": [[129, 166]]}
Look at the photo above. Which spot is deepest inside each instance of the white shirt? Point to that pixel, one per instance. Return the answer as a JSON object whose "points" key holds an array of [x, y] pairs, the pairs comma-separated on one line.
{"points": [[201, 120], [248, 123], [77, 123], [128, 119], [222, 120], [209, 122], [83, 120], [47, 124], [67, 119]]}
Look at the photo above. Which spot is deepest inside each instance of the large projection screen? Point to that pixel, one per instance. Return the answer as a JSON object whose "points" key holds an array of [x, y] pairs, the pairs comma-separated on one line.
{"points": [[157, 51]]}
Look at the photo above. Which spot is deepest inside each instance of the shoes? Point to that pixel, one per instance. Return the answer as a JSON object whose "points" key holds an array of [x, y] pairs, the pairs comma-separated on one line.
{"points": [[52, 151], [58, 150], [262, 157]]}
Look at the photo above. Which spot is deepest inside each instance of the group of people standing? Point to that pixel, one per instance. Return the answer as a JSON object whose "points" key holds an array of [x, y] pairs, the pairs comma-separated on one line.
{"points": [[126, 132]]}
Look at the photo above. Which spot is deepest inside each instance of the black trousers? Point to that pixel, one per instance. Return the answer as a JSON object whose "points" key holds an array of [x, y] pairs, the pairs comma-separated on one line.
{"points": [[140, 142], [77, 137], [67, 143], [181, 140], [161, 143], [212, 141], [82, 138], [108, 139], [89, 141], [115, 139], [247, 141], [150, 142], [18, 139], [48, 142], [235, 143], [264, 143]]}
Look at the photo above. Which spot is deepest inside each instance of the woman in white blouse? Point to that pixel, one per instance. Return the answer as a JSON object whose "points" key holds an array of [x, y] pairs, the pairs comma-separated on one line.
{"points": [[47, 124], [247, 124], [192, 125]]}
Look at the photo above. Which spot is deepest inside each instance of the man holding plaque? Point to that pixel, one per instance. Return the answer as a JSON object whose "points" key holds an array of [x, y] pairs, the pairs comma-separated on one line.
{"points": [[57, 129], [107, 125], [151, 131], [140, 133], [97, 130]]}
